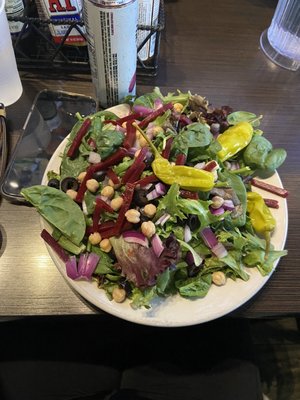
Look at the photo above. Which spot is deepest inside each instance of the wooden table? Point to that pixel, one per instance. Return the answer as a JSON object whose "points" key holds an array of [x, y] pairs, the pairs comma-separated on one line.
{"points": [[210, 48]]}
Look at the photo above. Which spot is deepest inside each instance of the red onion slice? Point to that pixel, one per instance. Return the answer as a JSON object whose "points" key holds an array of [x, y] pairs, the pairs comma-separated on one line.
{"points": [[209, 237], [187, 233], [228, 205], [135, 237], [163, 219], [142, 110], [217, 211], [71, 268], [219, 250], [157, 245], [91, 264]]}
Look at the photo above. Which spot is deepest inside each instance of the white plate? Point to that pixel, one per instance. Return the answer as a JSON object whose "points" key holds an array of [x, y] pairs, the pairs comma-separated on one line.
{"points": [[177, 311]]}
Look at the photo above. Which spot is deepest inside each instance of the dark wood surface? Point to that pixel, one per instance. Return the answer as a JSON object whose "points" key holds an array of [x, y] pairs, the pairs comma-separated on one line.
{"points": [[210, 48]]}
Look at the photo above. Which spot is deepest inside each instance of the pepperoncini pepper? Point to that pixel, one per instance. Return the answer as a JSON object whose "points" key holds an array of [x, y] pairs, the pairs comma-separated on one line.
{"points": [[261, 217], [234, 139], [187, 178]]}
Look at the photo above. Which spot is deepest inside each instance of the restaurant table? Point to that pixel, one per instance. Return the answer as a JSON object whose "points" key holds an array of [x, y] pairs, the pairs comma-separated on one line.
{"points": [[210, 48]]}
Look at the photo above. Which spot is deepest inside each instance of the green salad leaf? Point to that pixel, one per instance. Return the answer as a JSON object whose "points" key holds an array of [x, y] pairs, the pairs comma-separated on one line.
{"points": [[58, 209]]}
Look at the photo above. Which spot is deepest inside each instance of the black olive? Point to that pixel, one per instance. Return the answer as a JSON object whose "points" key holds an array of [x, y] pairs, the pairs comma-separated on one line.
{"points": [[193, 222], [126, 286], [54, 183], [99, 176], [192, 270], [69, 183], [144, 218], [149, 160], [140, 197]]}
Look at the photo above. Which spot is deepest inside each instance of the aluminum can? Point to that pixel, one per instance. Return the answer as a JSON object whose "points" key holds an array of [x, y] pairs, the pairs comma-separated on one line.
{"points": [[111, 27], [60, 10], [15, 8]]}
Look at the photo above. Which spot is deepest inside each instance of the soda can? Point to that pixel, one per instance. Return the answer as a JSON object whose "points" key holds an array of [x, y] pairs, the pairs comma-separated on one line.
{"points": [[58, 11], [15, 8], [111, 27]]}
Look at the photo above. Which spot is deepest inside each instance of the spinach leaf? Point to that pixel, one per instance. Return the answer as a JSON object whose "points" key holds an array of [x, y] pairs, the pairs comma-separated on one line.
{"points": [[108, 141], [192, 141], [147, 100], [260, 156], [58, 209], [256, 152], [243, 116], [275, 158]]}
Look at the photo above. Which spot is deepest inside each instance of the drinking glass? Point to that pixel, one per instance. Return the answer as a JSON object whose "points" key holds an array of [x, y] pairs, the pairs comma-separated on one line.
{"points": [[281, 41], [10, 83]]}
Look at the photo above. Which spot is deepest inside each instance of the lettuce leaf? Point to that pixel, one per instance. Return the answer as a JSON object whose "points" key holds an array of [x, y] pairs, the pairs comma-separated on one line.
{"points": [[139, 264]]}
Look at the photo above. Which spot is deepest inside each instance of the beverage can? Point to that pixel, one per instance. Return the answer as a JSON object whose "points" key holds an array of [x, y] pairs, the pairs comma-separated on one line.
{"points": [[15, 8], [148, 16], [111, 27], [60, 10]]}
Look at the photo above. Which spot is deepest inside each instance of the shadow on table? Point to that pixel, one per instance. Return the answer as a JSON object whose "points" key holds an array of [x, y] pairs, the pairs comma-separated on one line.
{"points": [[104, 357]]}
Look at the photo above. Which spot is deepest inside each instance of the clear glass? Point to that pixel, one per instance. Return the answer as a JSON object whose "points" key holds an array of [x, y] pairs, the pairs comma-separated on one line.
{"points": [[10, 83], [281, 41]]}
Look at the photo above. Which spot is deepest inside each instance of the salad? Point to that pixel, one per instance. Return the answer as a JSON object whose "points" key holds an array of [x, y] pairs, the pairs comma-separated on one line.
{"points": [[160, 202]]}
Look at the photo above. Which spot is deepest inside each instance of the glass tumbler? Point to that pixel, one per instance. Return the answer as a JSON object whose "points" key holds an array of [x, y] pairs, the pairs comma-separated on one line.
{"points": [[10, 83], [281, 41]]}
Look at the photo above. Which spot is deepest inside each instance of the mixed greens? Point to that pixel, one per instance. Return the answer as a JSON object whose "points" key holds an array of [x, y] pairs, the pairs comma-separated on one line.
{"points": [[159, 202]]}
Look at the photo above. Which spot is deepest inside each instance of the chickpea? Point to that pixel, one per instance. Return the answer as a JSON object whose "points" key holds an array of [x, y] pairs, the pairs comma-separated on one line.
{"points": [[149, 210], [178, 107], [105, 245], [108, 192], [116, 203], [95, 238], [143, 142], [92, 185], [81, 176], [148, 229], [114, 185], [133, 216], [119, 295], [156, 130], [71, 193], [217, 202], [219, 278]]}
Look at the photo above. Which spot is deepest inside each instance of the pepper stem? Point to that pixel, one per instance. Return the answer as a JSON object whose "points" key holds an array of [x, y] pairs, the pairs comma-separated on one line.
{"points": [[153, 148], [267, 235], [252, 121]]}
